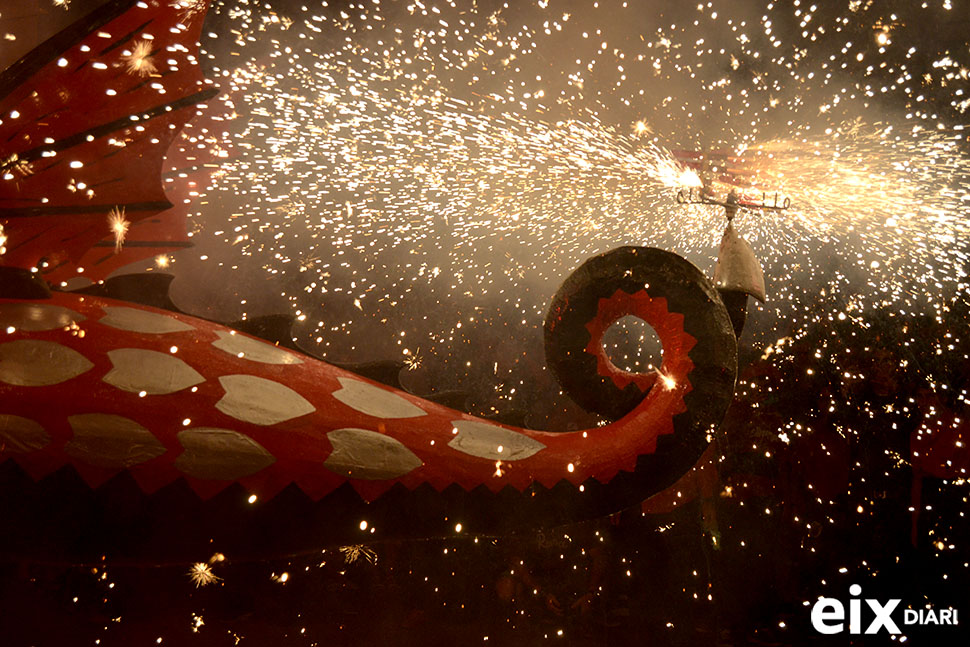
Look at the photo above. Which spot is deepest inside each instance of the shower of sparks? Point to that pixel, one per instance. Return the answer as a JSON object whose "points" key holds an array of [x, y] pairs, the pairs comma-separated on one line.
{"points": [[119, 226], [441, 156], [189, 7], [353, 553], [201, 574], [139, 60]]}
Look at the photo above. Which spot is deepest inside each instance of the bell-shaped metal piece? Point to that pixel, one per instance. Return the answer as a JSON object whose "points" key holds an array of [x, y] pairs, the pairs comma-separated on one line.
{"points": [[737, 268]]}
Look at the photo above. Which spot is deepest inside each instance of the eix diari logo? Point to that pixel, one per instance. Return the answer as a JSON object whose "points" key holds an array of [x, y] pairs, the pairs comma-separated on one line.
{"points": [[828, 615]]}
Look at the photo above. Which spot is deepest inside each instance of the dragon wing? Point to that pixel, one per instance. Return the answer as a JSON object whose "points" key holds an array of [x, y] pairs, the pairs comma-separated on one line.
{"points": [[86, 119]]}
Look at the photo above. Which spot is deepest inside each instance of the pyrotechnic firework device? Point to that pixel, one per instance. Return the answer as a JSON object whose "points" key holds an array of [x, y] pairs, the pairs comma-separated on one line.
{"points": [[732, 202], [738, 272]]}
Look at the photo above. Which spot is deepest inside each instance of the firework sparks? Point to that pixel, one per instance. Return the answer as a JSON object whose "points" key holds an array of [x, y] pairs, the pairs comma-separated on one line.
{"points": [[357, 552], [14, 167], [139, 60], [667, 381], [393, 170], [119, 226], [189, 7], [412, 361], [201, 574]]}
